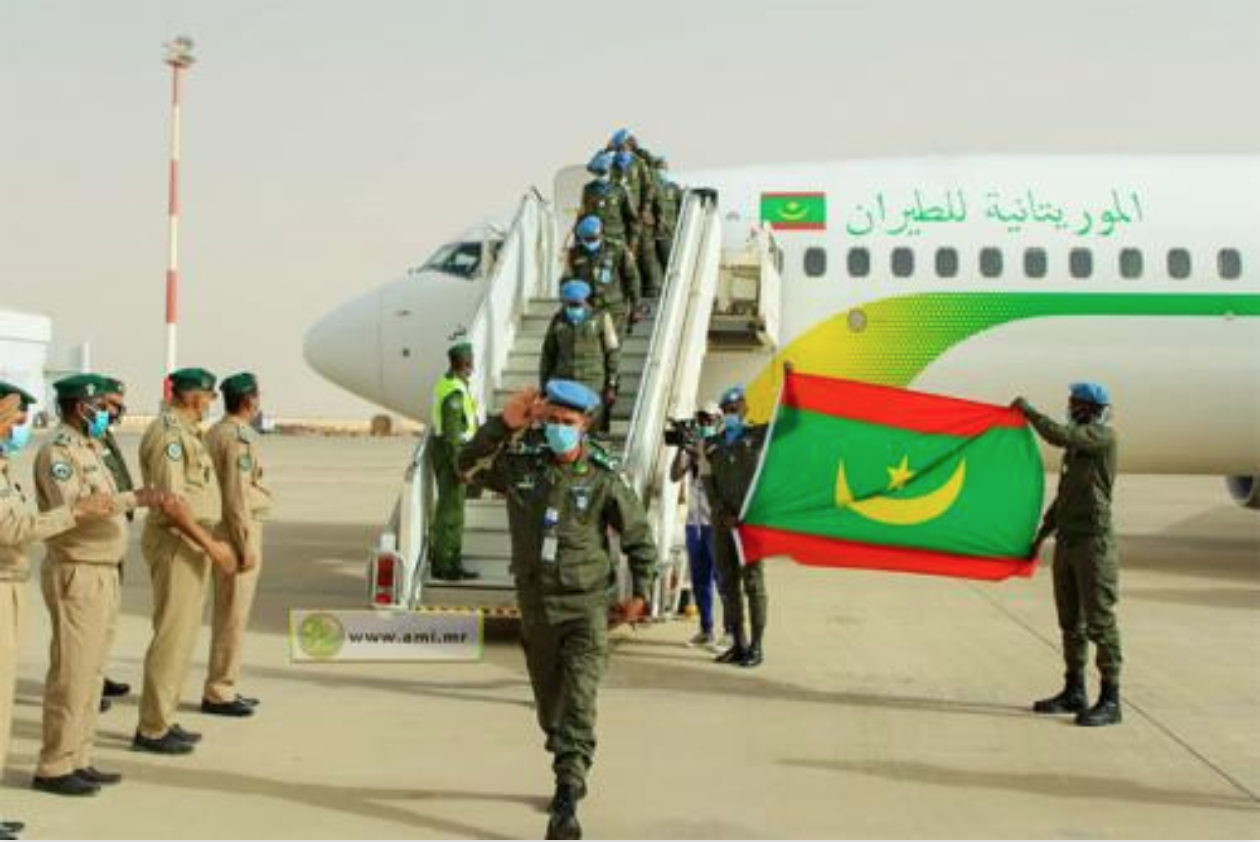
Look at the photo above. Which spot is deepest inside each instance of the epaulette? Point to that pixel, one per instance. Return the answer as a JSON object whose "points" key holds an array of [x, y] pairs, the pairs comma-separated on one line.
{"points": [[63, 439], [603, 458]]}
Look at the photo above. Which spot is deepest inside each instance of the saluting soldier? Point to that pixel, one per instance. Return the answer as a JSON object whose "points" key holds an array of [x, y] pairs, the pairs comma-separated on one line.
{"points": [[453, 424], [731, 460], [610, 270], [608, 199], [115, 405], [582, 345], [178, 548], [564, 494], [235, 450], [80, 585], [20, 526]]}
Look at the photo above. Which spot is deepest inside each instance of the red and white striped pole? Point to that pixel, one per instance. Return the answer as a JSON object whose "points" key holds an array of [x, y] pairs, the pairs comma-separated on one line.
{"points": [[179, 57]]}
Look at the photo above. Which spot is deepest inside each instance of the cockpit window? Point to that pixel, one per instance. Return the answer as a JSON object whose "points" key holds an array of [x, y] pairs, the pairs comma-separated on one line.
{"points": [[460, 259]]}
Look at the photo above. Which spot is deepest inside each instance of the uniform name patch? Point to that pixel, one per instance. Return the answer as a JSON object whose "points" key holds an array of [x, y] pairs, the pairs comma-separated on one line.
{"points": [[174, 451]]}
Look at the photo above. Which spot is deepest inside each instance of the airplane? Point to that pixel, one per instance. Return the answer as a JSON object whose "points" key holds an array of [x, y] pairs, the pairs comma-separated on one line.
{"points": [[984, 277]]}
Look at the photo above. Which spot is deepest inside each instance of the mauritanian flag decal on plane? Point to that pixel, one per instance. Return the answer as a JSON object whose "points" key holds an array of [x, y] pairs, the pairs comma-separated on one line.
{"points": [[863, 476], [795, 211]]}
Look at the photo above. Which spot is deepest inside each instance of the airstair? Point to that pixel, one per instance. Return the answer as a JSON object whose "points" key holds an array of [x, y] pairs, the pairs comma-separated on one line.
{"points": [[661, 363]]}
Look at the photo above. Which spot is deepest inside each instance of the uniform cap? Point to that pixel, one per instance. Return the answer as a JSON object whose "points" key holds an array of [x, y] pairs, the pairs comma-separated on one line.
{"points": [[572, 394], [620, 137], [590, 227], [711, 409], [239, 385], [113, 386], [1091, 392], [735, 394], [601, 163], [460, 351], [192, 380], [575, 292], [25, 398], [80, 387]]}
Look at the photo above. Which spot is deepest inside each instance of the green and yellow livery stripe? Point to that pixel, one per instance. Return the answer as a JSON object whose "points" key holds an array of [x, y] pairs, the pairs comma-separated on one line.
{"points": [[891, 341]]}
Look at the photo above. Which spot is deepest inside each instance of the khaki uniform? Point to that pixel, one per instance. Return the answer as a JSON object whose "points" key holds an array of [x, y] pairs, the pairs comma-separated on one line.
{"points": [[234, 448], [589, 353], [174, 458], [20, 526], [80, 585]]}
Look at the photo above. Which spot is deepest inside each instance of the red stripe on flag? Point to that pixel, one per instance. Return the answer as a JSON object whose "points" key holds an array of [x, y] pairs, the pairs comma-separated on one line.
{"points": [[890, 407], [760, 542], [799, 226]]}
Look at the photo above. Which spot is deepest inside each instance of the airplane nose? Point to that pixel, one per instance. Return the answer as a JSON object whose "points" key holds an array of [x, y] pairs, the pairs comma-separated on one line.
{"points": [[345, 347]]}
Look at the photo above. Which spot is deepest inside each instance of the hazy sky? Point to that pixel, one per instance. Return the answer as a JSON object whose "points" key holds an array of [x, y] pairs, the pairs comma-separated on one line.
{"points": [[329, 145]]}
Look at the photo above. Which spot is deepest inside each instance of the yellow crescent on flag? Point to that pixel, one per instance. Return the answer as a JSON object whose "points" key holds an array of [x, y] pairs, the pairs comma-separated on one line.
{"points": [[903, 511]]}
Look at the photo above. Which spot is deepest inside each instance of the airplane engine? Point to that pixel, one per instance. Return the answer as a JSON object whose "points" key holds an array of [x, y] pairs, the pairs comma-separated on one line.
{"points": [[1244, 490]]}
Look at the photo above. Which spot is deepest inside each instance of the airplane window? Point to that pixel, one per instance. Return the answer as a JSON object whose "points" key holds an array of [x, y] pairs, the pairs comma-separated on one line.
{"points": [[815, 261], [461, 259], [1178, 264], [902, 262], [1229, 264], [991, 262], [1081, 263], [859, 262], [946, 262], [1035, 263], [1130, 263]]}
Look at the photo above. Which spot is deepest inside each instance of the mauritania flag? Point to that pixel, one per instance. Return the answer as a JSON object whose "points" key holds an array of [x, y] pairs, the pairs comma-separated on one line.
{"points": [[795, 211], [856, 475]]}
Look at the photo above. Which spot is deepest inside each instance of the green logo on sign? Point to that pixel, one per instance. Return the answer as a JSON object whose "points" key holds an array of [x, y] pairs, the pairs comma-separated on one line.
{"points": [[321, 636]]}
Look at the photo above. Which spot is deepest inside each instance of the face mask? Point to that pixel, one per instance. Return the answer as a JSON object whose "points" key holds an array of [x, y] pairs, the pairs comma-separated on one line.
{"points": [[734, 426], [562, 438], [575, 315], [707, 431], [591, 245], [19, 437], [98, 424]]}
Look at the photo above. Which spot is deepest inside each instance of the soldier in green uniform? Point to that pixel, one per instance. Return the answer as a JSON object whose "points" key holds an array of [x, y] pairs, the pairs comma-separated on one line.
{"points": [[1086, 567], [731, 461], [668, 206], [564, 494], [115, 397], [454, 421], [610, 270], [636, 168], [604, 198], [582, 345]]}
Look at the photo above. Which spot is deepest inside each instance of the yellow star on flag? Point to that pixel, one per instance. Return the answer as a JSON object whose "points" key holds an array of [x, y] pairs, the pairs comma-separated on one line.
{"points": [[900, 475]]}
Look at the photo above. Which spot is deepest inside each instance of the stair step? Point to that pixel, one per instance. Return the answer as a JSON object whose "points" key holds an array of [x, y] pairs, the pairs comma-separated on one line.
{"points": [[518, 378]]}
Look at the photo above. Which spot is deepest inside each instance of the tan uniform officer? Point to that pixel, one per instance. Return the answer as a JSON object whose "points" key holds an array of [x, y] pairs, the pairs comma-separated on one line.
{"points": [[80, 585], [178, 552], [234, 449], [21, 526]]}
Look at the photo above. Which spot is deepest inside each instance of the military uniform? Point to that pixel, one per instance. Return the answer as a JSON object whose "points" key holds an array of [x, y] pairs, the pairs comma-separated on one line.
{"points": [[559, 516], [613, 276], [81, 589], [174, 458], [609, 201], [728, 470], [1086, 564], [648, 188], [20, 526], [453, 424], [588, 352], [246, 503], [668, 206]]}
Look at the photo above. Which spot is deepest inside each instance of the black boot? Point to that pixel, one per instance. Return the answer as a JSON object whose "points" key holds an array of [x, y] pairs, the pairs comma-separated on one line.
{"points": [[1071, 699], [736, 653], [1106, 711], [564, 823], [753, 656]]}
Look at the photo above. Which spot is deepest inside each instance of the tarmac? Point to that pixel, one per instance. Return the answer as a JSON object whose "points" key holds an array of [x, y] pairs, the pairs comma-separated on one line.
{"points": [[889, 706]]}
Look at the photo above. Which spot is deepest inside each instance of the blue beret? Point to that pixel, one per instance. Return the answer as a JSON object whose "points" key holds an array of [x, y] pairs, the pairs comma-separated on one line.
{"points": [[601, 163], [575, 291], [620, 137], [1091, 392], [571, 394], [590, 226], [624, 159], [732, 395]]}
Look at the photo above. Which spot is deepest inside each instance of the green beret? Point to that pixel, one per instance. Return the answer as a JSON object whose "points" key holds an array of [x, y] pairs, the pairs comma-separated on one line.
{"points": [[113, 385], [79, 387], [460, 351], [26, 397], [192, 379], [239, 385]]}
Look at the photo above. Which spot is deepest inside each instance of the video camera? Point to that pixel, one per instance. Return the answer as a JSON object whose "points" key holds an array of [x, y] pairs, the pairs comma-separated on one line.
{"points": [[682, 432]]}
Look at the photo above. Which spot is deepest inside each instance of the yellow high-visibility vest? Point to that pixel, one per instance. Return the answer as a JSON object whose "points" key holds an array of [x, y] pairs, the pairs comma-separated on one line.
{"points": [[441, 391]]}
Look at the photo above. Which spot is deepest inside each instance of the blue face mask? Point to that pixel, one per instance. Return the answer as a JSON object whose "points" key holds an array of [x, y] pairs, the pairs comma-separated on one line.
{"points": [[575, 314], [708, 432], [591, 245], [99, 424], [19, 437], [734, 427], [562, 438]]}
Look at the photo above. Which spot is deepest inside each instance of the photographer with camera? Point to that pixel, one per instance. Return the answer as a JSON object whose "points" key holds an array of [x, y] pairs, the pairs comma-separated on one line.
{"points": [[689, 436]]}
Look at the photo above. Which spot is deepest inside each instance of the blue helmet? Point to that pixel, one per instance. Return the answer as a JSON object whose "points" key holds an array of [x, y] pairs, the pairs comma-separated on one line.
{"points": [[619, 138], [732, 395], [1094, 393], [572, 394], [590, 227], [601, 163], [575, 292], [624, 160]]}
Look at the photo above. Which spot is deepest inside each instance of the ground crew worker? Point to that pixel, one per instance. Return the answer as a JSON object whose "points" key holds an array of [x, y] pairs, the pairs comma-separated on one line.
{"points": [[582, 345], [1086, 567], [178, 548], [20, 526], [610, 270], [115, 397], [732, 459], [668, 206], [454, 423], [235, 450], [80, 585], [563, 493], [608, 200]]}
